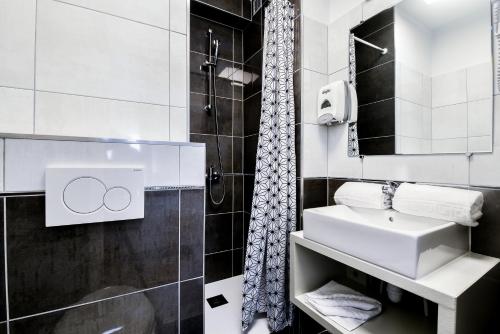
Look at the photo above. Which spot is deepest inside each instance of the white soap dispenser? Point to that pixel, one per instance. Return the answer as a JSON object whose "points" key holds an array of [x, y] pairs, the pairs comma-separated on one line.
{"points": [[337, 103]]}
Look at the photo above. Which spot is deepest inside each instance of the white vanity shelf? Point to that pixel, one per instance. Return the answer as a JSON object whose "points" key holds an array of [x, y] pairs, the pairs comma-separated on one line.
{"points": [[461, 289]]}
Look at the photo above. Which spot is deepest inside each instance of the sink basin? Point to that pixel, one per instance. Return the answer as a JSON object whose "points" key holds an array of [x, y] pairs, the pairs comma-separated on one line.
{"points": [[409, 245]]}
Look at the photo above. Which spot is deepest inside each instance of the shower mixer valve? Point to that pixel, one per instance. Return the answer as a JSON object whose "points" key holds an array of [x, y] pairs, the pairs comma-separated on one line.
{"points": [[213, 174]]}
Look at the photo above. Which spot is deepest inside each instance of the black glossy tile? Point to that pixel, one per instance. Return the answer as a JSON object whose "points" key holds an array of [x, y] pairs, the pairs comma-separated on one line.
{"points": [[484, 238], [252, 36], [227, 205], [216, 14], [3, 311], [376, 84], [315, 193], [238, 193], [297, 95], [203, 122], [238, 230], [237, 155], [218, 266], [238, 43], [251, 114], [377, 119], [199, 36], [333, 186], [377, 146], [247, 9], [237, 262], [246, 226], [238, 80], [237, 118], [154, 310], [248, 192], [199, 76], [191, 233], [253, 75], [298, 135], [374, 23], [3, 328], [191, 307], [218, 233], [231, 6], [250, 153], [226, 146], [368, 57], [55, 267]]}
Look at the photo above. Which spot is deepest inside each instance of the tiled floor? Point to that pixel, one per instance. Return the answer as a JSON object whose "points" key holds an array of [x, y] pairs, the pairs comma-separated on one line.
{"points": [[227, 318]]}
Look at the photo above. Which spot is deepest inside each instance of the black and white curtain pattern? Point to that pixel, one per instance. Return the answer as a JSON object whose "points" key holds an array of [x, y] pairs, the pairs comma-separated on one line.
{"points": [[265, 277]]}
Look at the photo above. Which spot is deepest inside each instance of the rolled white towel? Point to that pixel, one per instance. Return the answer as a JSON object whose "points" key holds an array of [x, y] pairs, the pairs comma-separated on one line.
{"points": [[343, 305], [457, 205], [363, 195]]}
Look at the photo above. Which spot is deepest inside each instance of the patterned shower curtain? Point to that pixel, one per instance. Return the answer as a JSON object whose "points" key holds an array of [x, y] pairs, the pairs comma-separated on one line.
{"points": [[265, 277]]}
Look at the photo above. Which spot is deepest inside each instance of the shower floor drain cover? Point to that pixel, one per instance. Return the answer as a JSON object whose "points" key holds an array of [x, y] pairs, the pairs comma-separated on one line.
{"points": [[216, 301]]}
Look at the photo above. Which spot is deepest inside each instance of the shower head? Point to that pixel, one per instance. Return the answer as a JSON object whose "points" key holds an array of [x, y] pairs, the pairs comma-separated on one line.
{"points": [[216, 52]]}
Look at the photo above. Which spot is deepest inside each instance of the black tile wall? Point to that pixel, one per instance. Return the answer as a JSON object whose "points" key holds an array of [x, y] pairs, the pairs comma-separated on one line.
{"points": [[123, 273], [315, 193], [252, 107], [191, 307], [219, 233], [237, 7], [376, 85], [199, 38], [3, 311], [218, 266]]}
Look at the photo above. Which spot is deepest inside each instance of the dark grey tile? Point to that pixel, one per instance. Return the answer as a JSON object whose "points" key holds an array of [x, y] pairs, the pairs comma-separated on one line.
{"points": [[246, 226], [191, 233], [237, 262], [374, 23], [237, 155], [218, 233], [141, 312], [237, 118], [218, 266], [231, 6], [238, 230], [251, 114], [376, 84], [297, 95], [226, 145], [377, 119], [199, 36], [298, 198], [252, 36], [238, 80], [3, 311], [217, 191], [253, 75], [203, 122], [55, 267], [298, 135], [315, 193], [238, 43], [199, 76], [368, 57], [191, 307], [377, 146], [247, 9], [238, 193], [3, 328], [248, 192], [485, 237], [250, 144]]}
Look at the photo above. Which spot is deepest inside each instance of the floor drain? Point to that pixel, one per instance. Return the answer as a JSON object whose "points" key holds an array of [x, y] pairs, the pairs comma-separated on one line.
{"points": [[216, 301]]}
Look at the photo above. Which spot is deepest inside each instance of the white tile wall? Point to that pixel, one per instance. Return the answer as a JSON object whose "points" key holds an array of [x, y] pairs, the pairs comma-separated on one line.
{"points": [[16, 110], [179, 124], [178, 74], [192, 160], [312, 82], [155, 13], [449, 145], [449, 88], [314, 150], [101, 56], [315, 49], [480, 117], [449, 121], [71, 115], [339, 164], [178, 15], [318, 10], [339, 75], [26, 160], [17, 46], [479, 82], [480, 144]]}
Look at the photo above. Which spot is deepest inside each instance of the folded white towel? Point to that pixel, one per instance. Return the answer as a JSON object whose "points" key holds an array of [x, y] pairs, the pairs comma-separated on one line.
{"points": [[457, 205], [345, 306], [363, 195]]}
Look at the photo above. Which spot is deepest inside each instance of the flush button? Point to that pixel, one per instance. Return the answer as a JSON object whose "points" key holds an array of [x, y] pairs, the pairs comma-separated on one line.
{"points": [[117, 199], [84, 195]]}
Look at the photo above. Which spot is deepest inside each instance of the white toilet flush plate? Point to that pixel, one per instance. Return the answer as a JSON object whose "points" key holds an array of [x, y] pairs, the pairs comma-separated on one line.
{"points": [[91, 195]]}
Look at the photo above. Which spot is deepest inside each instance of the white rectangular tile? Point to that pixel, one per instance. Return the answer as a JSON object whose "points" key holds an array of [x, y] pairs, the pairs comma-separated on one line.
{"points": [[192, 166], [409, 84], [312, 82], [480, 118], [339, 163], [315, 46], [449, 145], [411, 120], [101, 55], [16, 110], [452, 169], [480, 82], [178, 15], [314, 151], [449, 121], [480, 144], [408, 145], [449, 88], [339, 75], [71, 115], [25, 160], [1, 164], [178, 70], [178, 124], [156, 12], [17, 47]]}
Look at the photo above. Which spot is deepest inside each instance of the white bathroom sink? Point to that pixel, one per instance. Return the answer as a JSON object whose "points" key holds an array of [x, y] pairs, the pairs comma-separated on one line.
{"points": [[409, 245]]}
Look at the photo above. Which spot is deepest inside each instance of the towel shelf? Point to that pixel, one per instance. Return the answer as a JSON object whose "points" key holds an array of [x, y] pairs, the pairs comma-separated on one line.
{"points": [[462, 289]]}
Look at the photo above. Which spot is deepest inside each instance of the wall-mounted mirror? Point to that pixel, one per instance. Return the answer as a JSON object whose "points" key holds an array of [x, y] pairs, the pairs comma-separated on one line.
{"points": [[431, 92]]}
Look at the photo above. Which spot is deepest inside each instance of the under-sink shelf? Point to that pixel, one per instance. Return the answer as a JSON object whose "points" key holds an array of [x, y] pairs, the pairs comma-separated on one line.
{"points": [[456, 288]]}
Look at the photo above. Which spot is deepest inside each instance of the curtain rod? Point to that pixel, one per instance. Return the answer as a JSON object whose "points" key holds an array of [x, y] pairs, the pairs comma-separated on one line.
{"points": [[383, 50]]}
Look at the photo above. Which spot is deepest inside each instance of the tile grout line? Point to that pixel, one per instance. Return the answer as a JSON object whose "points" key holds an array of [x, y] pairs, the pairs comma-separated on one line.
{"points": [[7, 308]]}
